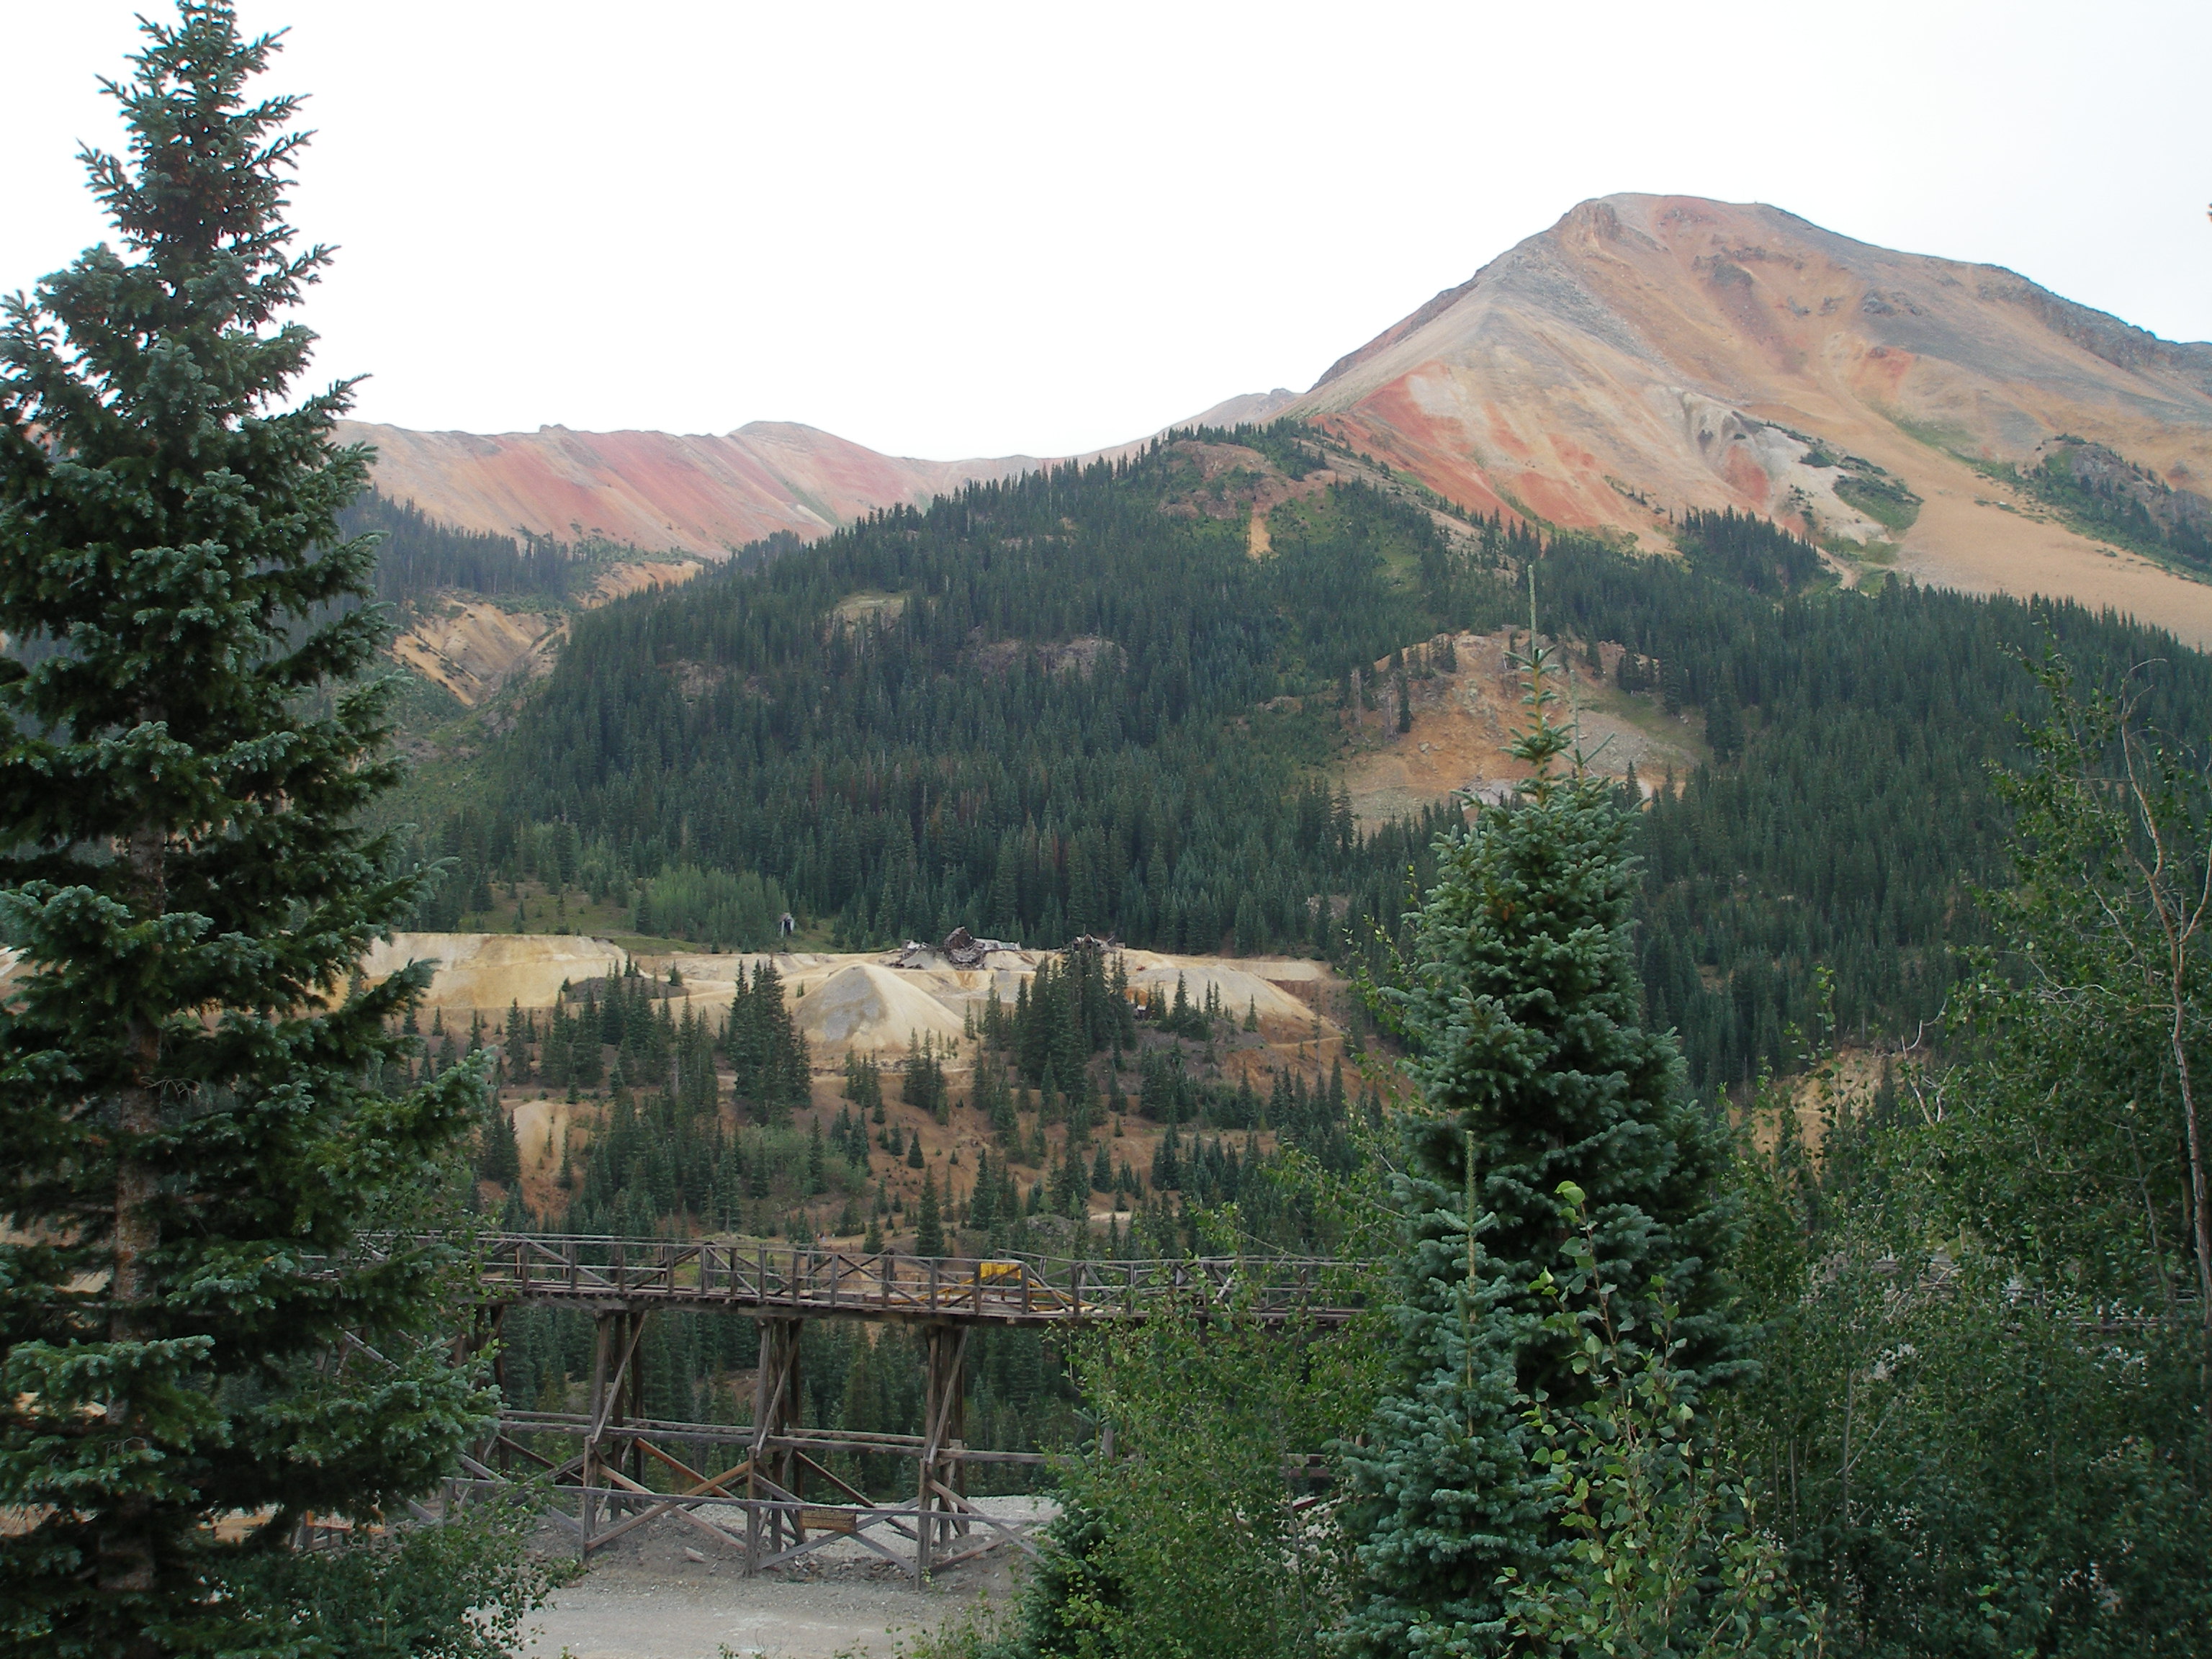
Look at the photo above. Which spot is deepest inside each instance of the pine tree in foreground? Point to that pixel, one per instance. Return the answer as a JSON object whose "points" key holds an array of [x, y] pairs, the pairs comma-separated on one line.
{"points": [[189, 1129], [1522, 1012]]}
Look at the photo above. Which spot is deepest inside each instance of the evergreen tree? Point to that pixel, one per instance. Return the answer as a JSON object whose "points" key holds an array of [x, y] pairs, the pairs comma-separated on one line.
{"points": [[1167, 1164], [864, 1084], [1540, 1086], [500, 1157], [190, 1111], [515, 1047], [983, 1203], [1724, 725], [923, 1083], [929, 1224], [767, 1052]]}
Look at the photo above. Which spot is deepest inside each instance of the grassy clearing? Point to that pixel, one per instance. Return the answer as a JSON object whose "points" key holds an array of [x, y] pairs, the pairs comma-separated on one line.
{"points": [[1885, 501]]}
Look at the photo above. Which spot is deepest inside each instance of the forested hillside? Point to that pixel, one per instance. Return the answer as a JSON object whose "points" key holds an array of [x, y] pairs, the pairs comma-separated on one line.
{"points": [[1082, 703], [417, 556]]}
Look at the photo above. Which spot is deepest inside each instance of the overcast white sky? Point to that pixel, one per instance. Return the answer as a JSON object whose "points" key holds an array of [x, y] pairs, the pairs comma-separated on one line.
{"points": [[971, 229]]}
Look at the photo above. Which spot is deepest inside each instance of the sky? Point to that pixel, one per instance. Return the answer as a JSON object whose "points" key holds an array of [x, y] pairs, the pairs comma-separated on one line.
{"points": [[974, 229]]}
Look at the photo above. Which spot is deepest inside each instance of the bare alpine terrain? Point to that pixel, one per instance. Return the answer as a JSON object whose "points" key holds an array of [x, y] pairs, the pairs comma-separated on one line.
{"points": [[663, 491]]}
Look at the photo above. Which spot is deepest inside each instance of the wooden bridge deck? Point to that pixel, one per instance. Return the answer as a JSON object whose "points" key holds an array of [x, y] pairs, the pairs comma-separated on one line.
{"points": [[798, 1281]]}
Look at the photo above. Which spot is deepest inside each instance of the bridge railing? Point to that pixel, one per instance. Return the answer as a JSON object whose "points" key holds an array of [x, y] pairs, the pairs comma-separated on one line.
{"points": [[806, 1279]]}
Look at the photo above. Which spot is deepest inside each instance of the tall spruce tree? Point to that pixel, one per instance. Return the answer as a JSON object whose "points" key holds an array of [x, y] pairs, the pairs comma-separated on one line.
{"points": [[1523, 1013], [929, 1223], [190, 1130]]}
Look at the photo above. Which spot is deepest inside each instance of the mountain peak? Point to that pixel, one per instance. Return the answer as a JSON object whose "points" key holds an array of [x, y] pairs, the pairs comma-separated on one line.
{"points": [[1648, 354]]}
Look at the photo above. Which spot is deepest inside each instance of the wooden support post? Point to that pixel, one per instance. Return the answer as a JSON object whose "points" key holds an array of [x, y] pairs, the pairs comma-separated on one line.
{"points": [[481, 1331], [615, 1340], [636, 1408], [497, 1445], [603, 1337], [775, 1412], [944, 1431]]}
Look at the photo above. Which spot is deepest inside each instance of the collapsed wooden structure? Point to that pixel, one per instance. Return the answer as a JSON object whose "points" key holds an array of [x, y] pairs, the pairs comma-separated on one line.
{"points": [[758, 1508]]}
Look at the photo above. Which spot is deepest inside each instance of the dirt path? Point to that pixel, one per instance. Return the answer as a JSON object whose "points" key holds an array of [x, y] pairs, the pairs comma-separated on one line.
{"points": [[666, 1592], [613, 1615]]}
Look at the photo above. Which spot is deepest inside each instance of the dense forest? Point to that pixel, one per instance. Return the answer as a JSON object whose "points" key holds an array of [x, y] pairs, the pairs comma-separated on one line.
{"points": [[1075, 703], [417, 556]]}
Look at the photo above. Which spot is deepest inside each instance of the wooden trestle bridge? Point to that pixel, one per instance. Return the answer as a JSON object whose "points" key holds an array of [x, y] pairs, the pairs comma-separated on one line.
{"points": [[758, 1507]]}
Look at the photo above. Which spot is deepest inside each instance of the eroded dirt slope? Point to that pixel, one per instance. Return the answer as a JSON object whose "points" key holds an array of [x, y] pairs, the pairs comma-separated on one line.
{"points": [[845, 1003], [859, 1004], [1463, 719], [472, 646]]}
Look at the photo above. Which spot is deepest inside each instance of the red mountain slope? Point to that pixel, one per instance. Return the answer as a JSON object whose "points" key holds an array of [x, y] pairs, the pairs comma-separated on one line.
{"points": [[656, 490]]}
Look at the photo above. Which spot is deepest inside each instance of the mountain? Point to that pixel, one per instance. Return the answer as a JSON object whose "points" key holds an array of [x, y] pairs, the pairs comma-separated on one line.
{"points": [[662, 492], [1644, 355], [1648, 354], [659, 491]]}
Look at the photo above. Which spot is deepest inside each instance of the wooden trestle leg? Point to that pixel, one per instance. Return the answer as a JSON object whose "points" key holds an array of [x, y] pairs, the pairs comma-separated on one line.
{"points": [[481, 1332], [495, 1447], [943, 1494], [776, 1472], [614, 1368]]}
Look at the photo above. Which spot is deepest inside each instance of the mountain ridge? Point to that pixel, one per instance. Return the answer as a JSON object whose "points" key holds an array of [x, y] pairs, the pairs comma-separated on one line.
{"points": [[1644, 355], [697, 493]]}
